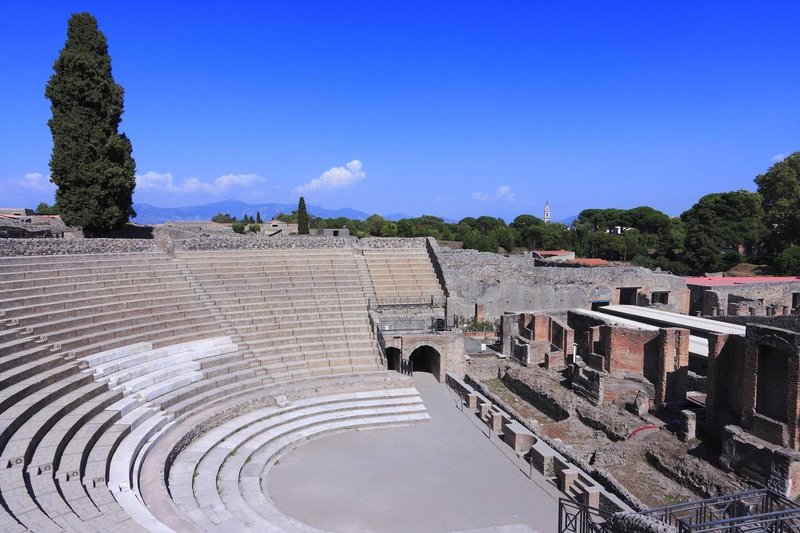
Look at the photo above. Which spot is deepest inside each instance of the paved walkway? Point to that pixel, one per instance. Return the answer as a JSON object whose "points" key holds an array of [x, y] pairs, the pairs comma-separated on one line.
{"points": [[444, 475]]}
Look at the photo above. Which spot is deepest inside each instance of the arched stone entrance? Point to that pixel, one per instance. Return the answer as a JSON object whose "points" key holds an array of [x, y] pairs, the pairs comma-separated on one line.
{"points": [[393, 358], [427, 359]]}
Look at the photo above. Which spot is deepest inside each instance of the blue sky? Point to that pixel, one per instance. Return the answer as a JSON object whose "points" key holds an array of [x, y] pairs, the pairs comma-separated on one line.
{"points": [[454, 108]]}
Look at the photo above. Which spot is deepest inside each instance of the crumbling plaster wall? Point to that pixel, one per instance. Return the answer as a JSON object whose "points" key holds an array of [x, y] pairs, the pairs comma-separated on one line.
{"points": [[512, 283], [716, 300]]}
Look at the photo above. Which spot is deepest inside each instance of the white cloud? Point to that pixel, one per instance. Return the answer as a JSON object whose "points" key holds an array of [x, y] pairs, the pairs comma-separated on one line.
{"points": [[35, 181], [335, 178], [503, 192], [164, 181], [777, 158]]}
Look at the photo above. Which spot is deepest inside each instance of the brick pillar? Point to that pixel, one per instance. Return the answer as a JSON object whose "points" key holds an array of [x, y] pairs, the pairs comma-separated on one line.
{"points": [[673, 365], [541, 327], [716, 341], [606, 340], [569, 342], [793, 401], [509, 327], [749, 381]]}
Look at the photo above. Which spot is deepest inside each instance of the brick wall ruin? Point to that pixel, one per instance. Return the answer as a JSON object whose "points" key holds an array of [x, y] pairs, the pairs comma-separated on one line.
{"points": [[753, 404]]}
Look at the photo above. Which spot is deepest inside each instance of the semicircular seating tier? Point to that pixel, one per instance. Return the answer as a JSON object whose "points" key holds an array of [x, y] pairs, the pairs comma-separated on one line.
{"points": [[133, 385]]}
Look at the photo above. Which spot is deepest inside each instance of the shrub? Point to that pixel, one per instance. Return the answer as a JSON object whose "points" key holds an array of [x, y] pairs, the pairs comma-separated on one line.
{"points": [[238, 227], [788, 261], [254, 228]]}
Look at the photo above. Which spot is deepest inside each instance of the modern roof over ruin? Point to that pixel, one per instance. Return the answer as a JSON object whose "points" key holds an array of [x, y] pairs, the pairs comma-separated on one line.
{"points": [[668, 319]]}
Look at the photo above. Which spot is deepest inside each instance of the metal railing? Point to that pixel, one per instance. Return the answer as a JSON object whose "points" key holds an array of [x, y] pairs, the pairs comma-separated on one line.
{"points": [[415, 325], [407, 367], [407, 302], [755, 510], [576, 517]]}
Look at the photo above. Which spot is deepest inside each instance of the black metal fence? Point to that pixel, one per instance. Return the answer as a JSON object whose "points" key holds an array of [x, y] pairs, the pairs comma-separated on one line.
{"points": [[755, 510], [408, 302], [416, 325], [578, 518], [407, 367]]}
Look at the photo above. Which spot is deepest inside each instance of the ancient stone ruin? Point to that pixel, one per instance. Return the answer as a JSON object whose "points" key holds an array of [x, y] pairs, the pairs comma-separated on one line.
{"points": [[154, 384]]}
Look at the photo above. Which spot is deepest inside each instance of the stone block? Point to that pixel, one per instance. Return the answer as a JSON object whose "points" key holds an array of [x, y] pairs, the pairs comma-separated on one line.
{"points": [[518, 437]]}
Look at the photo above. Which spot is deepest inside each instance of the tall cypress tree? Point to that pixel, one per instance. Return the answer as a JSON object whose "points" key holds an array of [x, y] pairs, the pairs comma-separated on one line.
{"points": [[91, 161], [302, 217]]}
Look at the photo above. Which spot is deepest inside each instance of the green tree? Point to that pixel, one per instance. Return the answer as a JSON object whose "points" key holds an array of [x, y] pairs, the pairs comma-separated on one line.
{"points": [[719, 222], [259, 220], [223, 218], [780, 189], [374, 224], [44, 209], [389, 229], [91, 162], [788, 261], [302, 217]]}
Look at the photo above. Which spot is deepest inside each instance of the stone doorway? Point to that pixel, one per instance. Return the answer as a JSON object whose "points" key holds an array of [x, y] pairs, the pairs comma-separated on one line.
{"points": [[393, 359], [427, 359]]}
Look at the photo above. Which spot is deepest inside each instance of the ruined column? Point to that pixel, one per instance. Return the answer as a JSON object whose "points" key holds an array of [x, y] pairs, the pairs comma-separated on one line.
{"points": [[673, 365]]}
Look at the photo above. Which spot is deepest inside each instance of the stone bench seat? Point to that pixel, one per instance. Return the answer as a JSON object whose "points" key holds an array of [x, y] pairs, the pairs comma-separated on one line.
{"points": [[315, 359], [99, 297], [40, 438], [120, 365], [250, 482], [22, 507], [272, 308], [260, 302], [232, 362], [21, 442], [153, 304], [16, 369], [62, 290], [353, 317], [323, 273], [70, 259], [79, 335], [99, 457], [29, 386], [201, 393], [342, 271], [212, 456], [272, 291], [304, 344], [158, 332], [15, 416], [36, 271], [327, 326], [57, 281], [47, 454]]}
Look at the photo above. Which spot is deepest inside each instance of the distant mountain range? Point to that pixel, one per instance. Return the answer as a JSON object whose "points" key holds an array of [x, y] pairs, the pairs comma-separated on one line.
{"points": [[150, 214]]}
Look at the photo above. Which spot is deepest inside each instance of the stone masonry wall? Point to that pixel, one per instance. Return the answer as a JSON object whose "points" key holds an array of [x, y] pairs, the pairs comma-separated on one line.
{"points": [[716, 299], [18, 247], [512, 283]]}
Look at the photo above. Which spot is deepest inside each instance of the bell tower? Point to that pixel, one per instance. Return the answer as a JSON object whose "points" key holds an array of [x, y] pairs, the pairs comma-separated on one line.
{"points": [[547, 212]]}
